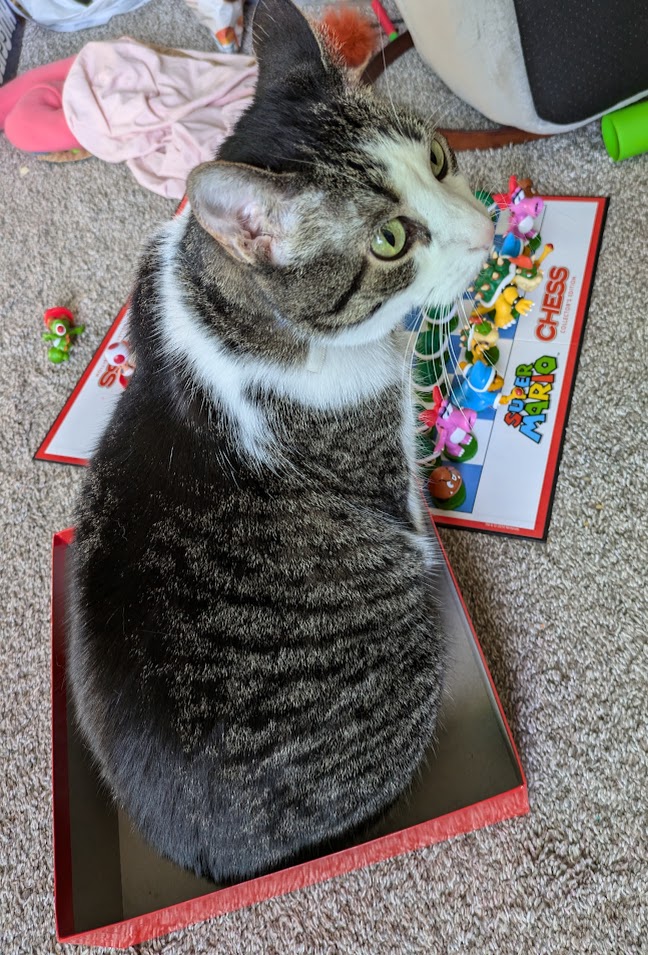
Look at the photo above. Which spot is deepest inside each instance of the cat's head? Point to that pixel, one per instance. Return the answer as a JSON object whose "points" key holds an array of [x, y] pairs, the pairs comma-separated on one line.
{"points": [[346, 209]]}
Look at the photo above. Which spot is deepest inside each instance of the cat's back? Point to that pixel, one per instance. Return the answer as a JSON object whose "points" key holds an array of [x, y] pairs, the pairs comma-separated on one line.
{"points": [[270, 626]]}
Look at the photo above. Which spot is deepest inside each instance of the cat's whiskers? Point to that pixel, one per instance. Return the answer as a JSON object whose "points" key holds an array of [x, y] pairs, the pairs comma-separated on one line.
{"points": [[455, 356], [386, 84], [408, 364], [259, 28], [443, 117], [445, 375]]}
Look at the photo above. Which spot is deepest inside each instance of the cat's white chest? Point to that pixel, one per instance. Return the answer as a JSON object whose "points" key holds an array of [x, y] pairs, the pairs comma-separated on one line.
{"points": [[336, 377]]}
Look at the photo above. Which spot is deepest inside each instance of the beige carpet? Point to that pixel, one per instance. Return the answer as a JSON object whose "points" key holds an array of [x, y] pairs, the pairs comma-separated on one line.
{"points": [[563, 624]]}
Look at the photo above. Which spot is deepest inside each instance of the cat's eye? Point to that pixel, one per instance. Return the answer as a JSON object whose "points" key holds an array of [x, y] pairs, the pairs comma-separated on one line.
{"points": [[390, 241], [438, 160]]}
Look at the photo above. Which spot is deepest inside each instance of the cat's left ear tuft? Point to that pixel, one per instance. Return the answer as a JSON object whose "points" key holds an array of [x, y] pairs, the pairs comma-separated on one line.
{"points": [[287, 48], [246, 210]]}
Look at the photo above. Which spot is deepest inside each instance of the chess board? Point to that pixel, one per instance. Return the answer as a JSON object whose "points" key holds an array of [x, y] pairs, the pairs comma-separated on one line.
{"points": [[510, 481]]}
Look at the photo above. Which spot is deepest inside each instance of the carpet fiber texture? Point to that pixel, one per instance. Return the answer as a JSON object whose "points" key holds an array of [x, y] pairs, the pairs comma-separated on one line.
{"points": [[563, 624]]}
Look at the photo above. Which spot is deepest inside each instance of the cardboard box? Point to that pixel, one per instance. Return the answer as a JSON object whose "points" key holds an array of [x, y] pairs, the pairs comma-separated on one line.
{"points": [[113, 890]]}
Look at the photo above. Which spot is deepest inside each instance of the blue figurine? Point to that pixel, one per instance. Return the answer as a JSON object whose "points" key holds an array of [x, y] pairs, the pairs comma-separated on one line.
{"points": [[511, 246], [478, 388]]}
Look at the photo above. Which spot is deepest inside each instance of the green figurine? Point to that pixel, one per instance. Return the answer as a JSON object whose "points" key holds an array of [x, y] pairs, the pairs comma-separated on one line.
{"points": [[496, 273], [61, 331]]}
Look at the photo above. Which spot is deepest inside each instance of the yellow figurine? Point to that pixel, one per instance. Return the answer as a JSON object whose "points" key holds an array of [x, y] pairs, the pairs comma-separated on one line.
{"points": [[507, 308], [480, 342]]}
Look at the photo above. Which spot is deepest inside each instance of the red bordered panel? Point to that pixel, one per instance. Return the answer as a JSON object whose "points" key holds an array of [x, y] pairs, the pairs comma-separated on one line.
{"points": [[43, 454]]}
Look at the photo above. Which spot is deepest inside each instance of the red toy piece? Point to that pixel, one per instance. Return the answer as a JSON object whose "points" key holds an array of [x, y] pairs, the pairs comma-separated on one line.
{"points": [[453, 428], [119, 356]]}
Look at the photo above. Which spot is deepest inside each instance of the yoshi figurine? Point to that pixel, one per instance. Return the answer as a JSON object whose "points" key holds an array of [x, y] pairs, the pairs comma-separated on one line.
{"points": [[61, 332]]}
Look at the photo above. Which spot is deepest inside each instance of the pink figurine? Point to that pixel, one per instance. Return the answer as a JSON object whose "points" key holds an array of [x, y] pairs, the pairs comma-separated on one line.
{"points": [[453, 426], [524, 208]]}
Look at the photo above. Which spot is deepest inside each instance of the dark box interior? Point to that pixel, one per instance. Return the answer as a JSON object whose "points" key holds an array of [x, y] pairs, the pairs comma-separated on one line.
{"points": [[106, 874]]}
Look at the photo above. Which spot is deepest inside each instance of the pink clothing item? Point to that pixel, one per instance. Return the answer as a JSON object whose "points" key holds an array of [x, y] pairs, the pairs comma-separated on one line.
{"points": [[31, 109], [161, 113]]}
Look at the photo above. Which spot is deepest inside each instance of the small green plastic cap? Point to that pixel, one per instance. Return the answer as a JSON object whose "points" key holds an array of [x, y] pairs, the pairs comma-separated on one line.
{"points": [[610, 138], [625, 131]]}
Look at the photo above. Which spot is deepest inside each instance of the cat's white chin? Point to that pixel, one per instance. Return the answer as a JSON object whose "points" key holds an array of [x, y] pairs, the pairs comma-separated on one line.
{"points": [[460, 271], [377, 325]]}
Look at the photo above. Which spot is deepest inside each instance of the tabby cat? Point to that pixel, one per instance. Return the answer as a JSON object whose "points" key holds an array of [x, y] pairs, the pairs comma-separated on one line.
{"points": [[255, 653]]}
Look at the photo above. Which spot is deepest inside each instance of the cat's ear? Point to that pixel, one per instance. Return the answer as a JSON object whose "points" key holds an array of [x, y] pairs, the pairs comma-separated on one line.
{"points": [[285, 44], [247, 210]]}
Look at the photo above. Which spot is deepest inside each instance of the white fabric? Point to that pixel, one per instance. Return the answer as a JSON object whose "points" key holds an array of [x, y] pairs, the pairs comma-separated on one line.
{"points": [[67, 15]]}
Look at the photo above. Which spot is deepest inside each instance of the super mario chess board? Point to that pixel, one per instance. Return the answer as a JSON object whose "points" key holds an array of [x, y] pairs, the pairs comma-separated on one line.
{"points": [[509, 482]]}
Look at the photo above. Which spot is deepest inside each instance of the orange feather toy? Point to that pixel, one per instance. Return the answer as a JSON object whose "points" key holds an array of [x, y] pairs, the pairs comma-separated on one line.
{"points": [[353, 33]]}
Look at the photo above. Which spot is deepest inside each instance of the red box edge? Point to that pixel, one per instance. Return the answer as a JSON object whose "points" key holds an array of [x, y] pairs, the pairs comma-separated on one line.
{"points": [[506, 805], [42, 454], [142, 928], [61, 833]]}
